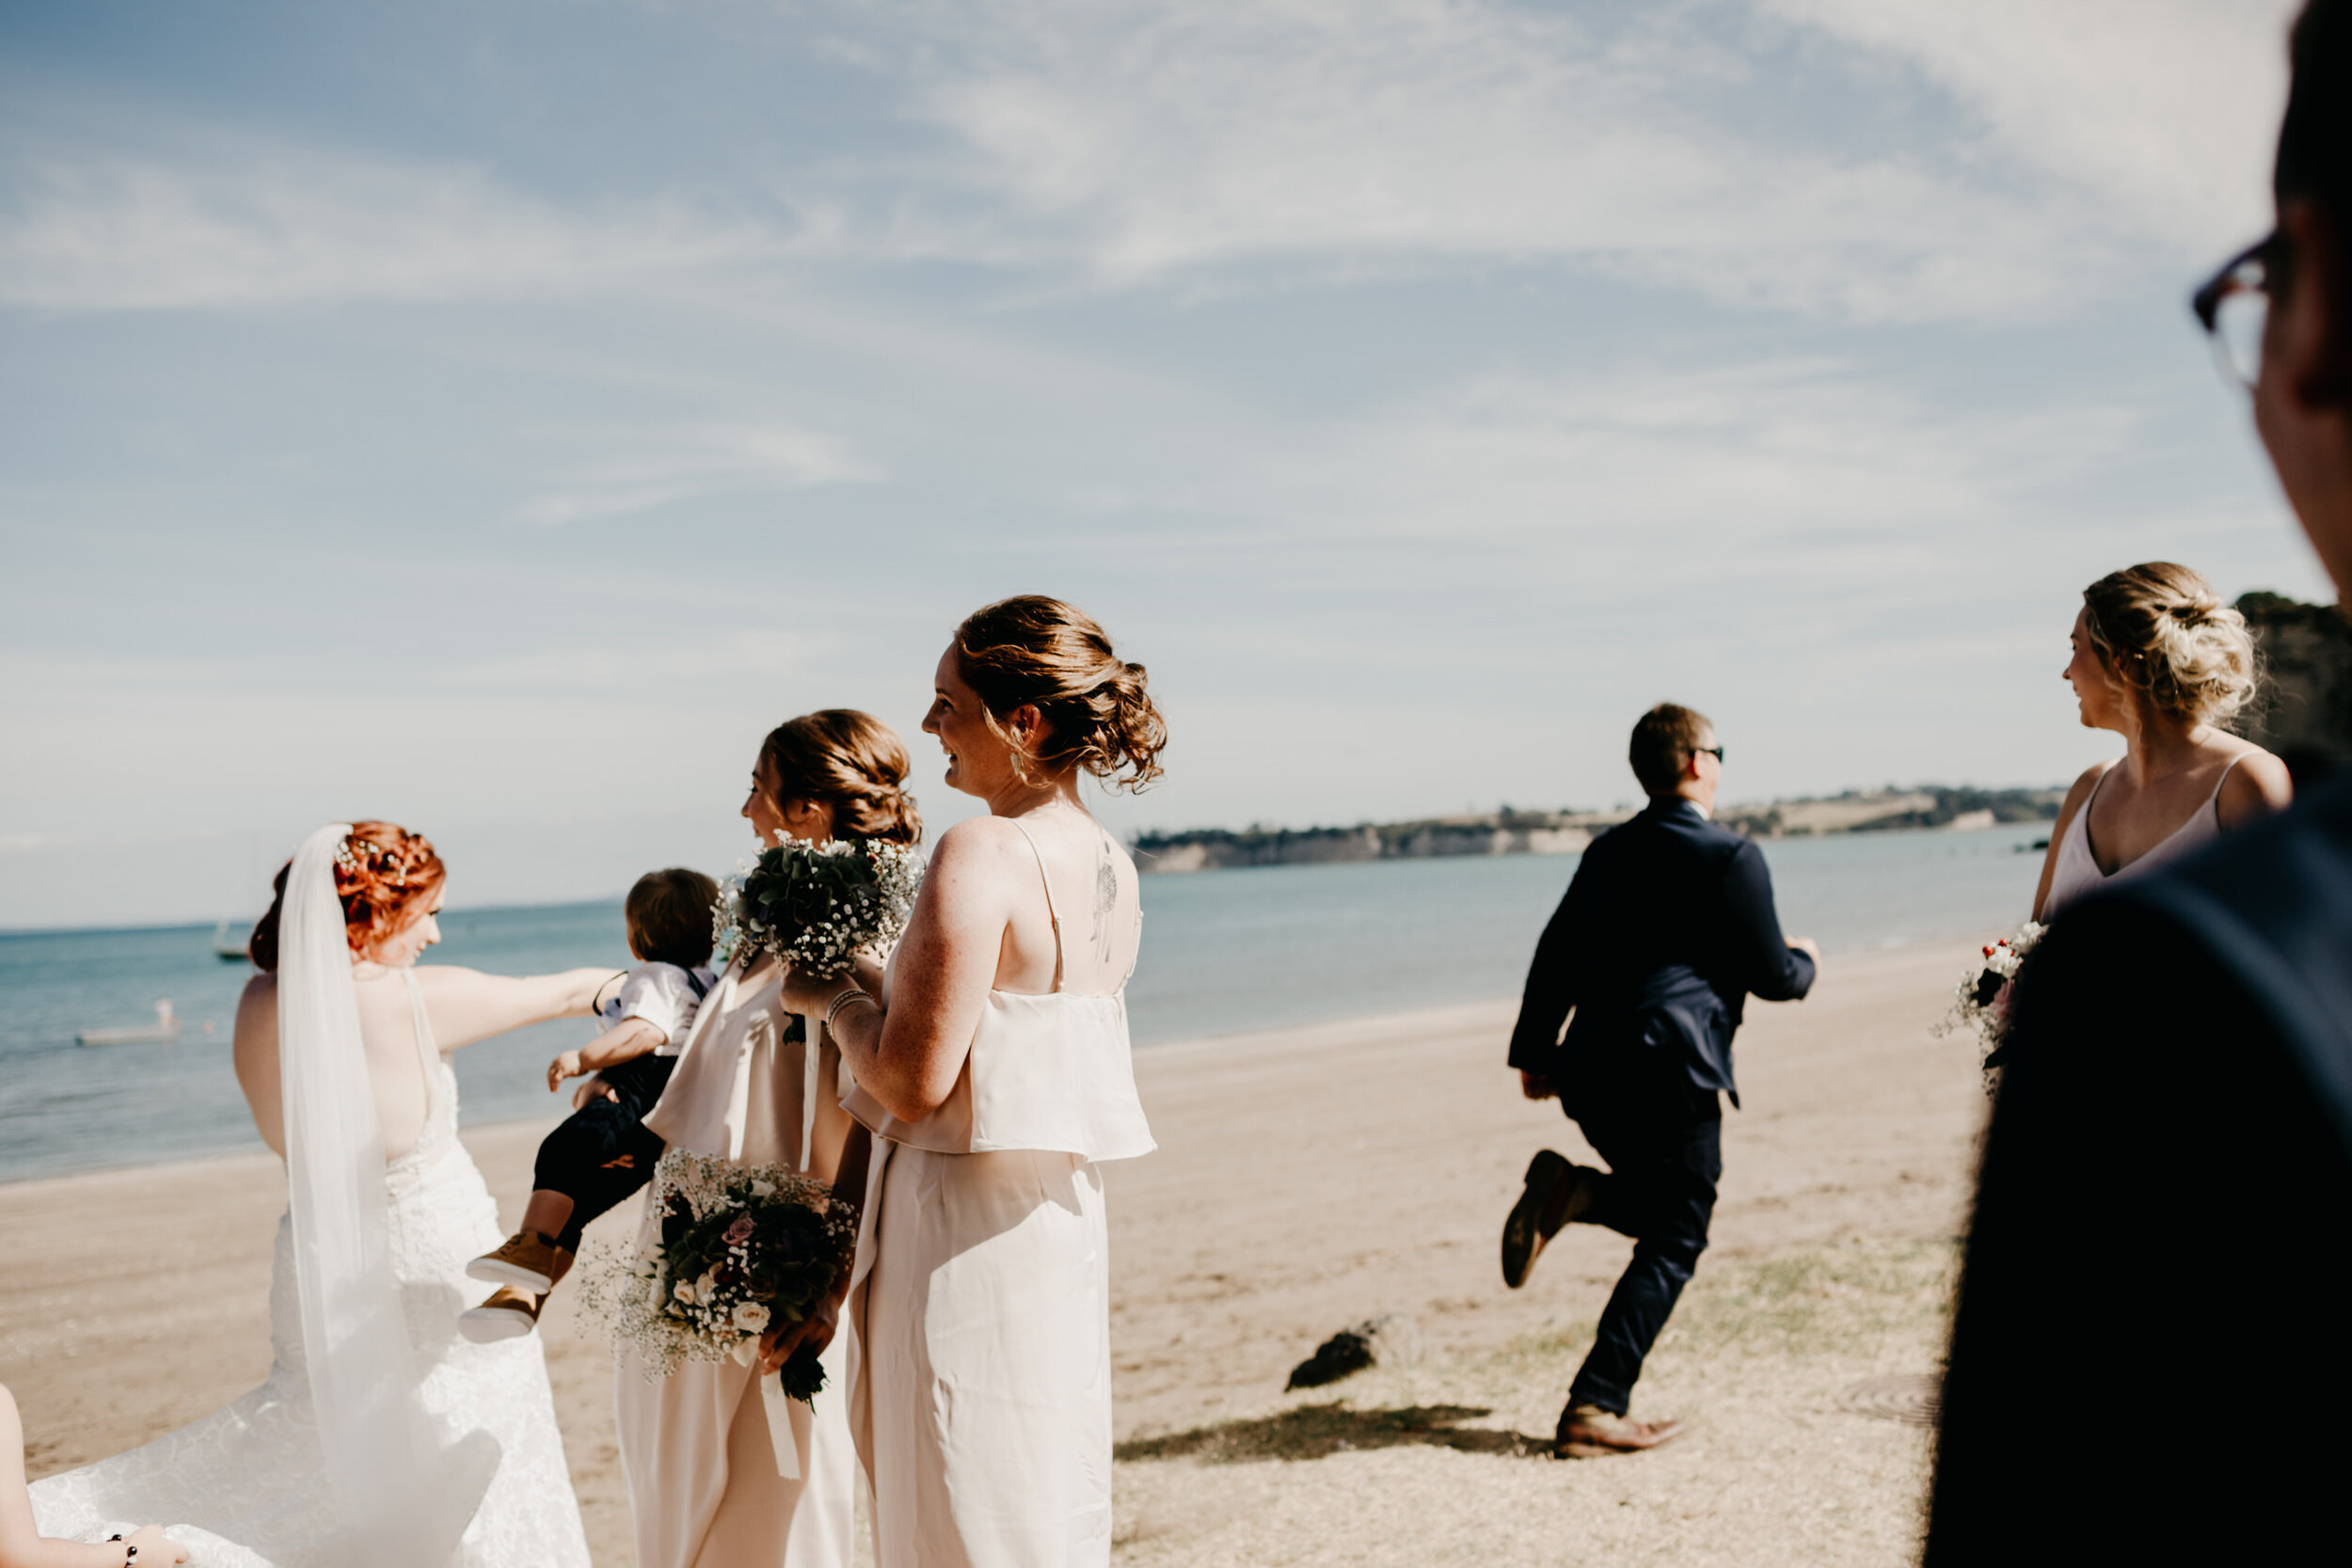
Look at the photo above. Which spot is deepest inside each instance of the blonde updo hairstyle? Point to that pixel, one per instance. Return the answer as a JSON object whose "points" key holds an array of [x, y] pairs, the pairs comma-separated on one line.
{"points": [[2165, 634], [1033, 651], [852, 762]]}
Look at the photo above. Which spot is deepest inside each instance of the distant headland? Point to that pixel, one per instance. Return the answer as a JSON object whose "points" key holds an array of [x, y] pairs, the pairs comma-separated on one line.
{"points": [[1566, 832]]}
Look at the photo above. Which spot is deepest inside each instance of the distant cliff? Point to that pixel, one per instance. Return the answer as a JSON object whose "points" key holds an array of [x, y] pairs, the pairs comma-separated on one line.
{"points": [[2306, 714], [1566, 832], [1504, 832]]}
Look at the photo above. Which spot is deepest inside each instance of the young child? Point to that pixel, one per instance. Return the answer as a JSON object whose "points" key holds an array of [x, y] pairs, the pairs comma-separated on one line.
{"points": [[602, 1152]]}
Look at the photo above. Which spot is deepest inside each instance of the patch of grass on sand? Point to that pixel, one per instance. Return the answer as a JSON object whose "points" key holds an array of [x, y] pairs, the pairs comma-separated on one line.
{"points": [[1843, 1299], [1444, 1461], [1851, 1303]]}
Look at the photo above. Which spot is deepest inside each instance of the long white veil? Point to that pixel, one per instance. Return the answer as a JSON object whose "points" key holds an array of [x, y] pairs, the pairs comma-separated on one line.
{"points": [[403, 1503]]}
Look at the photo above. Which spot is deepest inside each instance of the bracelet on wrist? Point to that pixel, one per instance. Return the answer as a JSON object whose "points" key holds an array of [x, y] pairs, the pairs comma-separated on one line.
{"points": [[853, 993]]}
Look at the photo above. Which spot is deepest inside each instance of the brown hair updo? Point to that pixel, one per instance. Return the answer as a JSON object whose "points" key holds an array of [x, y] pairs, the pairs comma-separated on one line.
{"points": [[1033, 650], [384, 874], [854, 764], [2166, 634]]}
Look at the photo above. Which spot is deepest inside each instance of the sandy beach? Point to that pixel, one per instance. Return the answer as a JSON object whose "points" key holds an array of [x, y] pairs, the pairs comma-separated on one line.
{"points": [[1307, 1179]]}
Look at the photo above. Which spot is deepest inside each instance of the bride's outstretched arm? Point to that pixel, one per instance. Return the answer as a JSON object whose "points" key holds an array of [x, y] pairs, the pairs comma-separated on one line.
{"points": [[23, 1546], [466, 1005]]}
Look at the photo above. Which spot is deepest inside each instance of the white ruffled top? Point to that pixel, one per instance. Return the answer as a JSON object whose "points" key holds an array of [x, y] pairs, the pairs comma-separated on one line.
{"points": [[1052, 1071]]}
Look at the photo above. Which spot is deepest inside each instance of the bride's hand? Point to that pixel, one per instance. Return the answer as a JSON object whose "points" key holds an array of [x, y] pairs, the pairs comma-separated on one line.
{"points": [[815, 1331], [155, 1546]]}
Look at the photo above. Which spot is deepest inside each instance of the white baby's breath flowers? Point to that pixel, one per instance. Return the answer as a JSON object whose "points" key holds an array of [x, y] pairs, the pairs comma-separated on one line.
{"points": [[1981, 1001], [858, 919], [722, 1304]]}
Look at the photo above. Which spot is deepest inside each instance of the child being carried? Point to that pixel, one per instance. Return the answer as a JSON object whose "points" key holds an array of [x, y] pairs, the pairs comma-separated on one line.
{"points": [[602, 1153]]}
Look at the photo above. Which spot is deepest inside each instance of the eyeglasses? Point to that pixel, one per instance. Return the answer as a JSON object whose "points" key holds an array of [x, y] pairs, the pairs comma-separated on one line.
{"points": [[2233, 306], [1715, 752]]}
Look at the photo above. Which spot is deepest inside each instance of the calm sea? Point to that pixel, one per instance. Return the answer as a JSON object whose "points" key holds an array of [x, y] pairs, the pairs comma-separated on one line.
{"points": [[1222, 952]]}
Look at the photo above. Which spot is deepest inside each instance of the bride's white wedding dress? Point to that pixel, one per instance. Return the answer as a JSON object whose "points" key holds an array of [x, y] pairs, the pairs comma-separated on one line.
{"points": [[256, 1473]]}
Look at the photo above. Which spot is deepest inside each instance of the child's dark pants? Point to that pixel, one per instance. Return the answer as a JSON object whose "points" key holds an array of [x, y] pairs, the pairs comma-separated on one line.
{"points": [[600, 1155]]}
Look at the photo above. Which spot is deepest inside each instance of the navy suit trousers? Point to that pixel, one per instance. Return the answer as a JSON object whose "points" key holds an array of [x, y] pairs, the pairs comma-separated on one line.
{"points": [[1663, 1141]]}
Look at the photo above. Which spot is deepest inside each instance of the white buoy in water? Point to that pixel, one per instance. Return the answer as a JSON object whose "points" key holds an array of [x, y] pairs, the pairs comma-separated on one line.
{"points": [[164, 1031]]}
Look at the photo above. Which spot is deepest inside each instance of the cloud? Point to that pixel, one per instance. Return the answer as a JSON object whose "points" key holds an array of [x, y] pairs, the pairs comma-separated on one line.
{"points": [[1145, 142], [2162, 113], [234, 225], [652, 469], [1878, 160], [1810, 474]]}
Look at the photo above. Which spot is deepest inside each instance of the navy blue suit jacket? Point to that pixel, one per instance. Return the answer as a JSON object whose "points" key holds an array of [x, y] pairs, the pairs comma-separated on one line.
{"points": [[2163, 1225], [1667, 929]]}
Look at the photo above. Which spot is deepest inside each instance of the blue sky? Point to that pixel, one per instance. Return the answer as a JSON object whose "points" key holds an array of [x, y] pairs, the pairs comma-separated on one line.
{"points": [[495, 416]]}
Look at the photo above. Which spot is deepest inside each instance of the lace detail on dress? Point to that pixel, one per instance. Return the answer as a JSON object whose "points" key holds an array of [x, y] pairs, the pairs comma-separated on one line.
{"points": [[247, 1487]]}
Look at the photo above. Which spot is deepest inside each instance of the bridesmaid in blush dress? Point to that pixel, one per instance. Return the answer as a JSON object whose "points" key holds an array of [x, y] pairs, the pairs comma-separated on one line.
{"points": [[993, 1066], [705, 1482]]}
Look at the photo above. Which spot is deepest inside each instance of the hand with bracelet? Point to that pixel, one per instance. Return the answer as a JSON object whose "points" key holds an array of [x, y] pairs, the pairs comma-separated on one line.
{"points": [[837, 1000], [23, 1546]]}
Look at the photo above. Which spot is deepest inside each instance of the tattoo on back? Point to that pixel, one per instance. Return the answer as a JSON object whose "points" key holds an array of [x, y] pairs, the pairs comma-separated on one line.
{"points": [[1106, 900]]}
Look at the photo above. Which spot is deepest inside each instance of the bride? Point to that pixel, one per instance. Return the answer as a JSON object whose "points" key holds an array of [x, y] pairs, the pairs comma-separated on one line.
{"points": [[381, 1438]]}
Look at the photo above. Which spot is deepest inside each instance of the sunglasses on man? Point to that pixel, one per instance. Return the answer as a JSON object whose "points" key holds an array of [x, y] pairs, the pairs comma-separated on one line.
{"points": [[2234, 304]]}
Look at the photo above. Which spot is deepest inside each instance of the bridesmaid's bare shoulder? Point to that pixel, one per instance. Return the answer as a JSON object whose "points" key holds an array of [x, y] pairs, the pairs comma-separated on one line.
{"points": [[2256, 786]]}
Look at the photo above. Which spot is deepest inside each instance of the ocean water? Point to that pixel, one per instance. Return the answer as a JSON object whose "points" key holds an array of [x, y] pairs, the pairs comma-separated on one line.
{"points": [[1222, 952]]}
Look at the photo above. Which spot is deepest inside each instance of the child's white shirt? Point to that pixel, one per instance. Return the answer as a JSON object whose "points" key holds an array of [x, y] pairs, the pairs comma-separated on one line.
{"points": [[658, 992]]}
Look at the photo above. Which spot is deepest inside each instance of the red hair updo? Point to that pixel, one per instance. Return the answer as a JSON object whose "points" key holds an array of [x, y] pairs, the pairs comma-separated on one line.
{"points": [[386, 876]]}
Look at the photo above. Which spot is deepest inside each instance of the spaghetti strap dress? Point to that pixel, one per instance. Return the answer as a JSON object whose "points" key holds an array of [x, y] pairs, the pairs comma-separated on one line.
{"points": [[2078, 872], [981, 1389]]}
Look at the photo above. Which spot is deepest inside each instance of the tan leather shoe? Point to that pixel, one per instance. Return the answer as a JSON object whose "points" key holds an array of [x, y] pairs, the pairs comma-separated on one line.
{"points": [[509, 1314], [1557, 1191], [526, 1260], [1588, 1432]]}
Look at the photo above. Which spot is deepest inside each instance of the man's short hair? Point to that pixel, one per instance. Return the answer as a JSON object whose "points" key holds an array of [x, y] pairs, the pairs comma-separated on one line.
{"points": [[669, 916], [2315, 137], [2315, 145], [1663, 740]]}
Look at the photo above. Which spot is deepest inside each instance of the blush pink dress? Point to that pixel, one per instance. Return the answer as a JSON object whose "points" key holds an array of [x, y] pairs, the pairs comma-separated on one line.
{"points": [[981, 1394], [703, 1478], [2076, 871]]}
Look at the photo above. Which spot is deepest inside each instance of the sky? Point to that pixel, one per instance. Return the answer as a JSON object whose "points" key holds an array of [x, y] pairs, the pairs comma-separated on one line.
{"points": [[495, 416]]}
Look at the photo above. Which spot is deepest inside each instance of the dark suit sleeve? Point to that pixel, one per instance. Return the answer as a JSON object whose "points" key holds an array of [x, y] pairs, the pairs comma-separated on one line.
{"points": [[1766, 965], [1553, 979]]}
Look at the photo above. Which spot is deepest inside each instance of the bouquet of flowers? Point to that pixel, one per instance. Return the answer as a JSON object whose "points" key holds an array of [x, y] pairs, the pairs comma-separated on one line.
{"points": [[818, 905], [1981, 1001], [741, 1247]]}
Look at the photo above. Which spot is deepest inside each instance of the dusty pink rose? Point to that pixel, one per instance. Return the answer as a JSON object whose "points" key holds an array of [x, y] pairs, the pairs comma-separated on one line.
{"points": [[741, 1230]]}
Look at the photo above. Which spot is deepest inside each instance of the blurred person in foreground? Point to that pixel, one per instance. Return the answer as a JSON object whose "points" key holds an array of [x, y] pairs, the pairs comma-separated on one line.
{"points": [[1667, 929], [2149, 1361]]}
